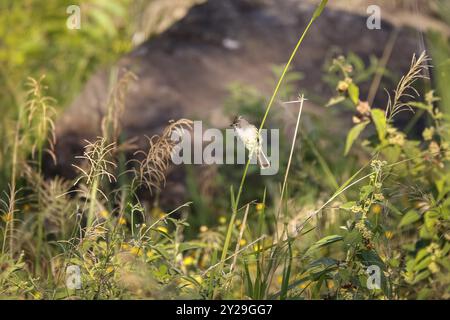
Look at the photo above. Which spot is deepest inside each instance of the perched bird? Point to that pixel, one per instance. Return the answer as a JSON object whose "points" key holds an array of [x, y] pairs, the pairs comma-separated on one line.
{"points": [[252, 140]]}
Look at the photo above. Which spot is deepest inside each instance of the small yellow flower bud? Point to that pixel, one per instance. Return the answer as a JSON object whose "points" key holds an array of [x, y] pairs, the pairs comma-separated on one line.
{"points": [[188, 260], [136, 251], [222, 220], [389, 234], [260, 206], [376, 209], [104, 214]]}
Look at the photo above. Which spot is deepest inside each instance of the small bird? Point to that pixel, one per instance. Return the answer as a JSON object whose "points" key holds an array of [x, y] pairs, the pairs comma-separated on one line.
{"points": [[252, 140]]}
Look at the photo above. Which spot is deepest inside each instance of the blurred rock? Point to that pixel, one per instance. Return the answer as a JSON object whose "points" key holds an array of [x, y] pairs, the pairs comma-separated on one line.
{"points": [[185, 71]]}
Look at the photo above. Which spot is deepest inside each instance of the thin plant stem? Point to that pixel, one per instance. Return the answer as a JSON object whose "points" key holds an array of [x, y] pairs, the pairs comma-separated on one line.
{"points": [[382, 65], [241, 234], [92, 202], [283, 188], [269, 106]]}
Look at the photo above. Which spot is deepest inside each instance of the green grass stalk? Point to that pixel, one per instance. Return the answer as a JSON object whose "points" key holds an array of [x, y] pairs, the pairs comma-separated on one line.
{"points": [[316, 14]]}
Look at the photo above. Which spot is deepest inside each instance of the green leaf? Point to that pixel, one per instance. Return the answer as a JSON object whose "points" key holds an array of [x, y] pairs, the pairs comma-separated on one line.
{"points": [[391, 153], [380, 123], [353, 93], [420, 105], [423, 264], [365, 191], [370, 257], [421, 276], [348, 205], [431, 219], [323, 242], [334, 100], [319, 9], [184, 246], [353, 134], [410, 217]]}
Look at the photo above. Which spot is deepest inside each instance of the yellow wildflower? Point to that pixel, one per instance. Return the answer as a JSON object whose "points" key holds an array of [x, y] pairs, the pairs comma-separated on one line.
{"points": [[376, 209], [260, 206], [222, 220], [136, 251], [389, 234], [188, 260], [242, 242], [37, 295], [104, 214], [122, 221], [109, 269]]}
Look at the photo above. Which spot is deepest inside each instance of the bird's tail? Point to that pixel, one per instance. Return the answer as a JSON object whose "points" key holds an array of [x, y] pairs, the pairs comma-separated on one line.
{"points": [[262, 160]]}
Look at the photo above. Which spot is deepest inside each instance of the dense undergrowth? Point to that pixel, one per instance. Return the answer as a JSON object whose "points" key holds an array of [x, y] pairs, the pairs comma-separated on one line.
{"points": [[342, 208]]}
